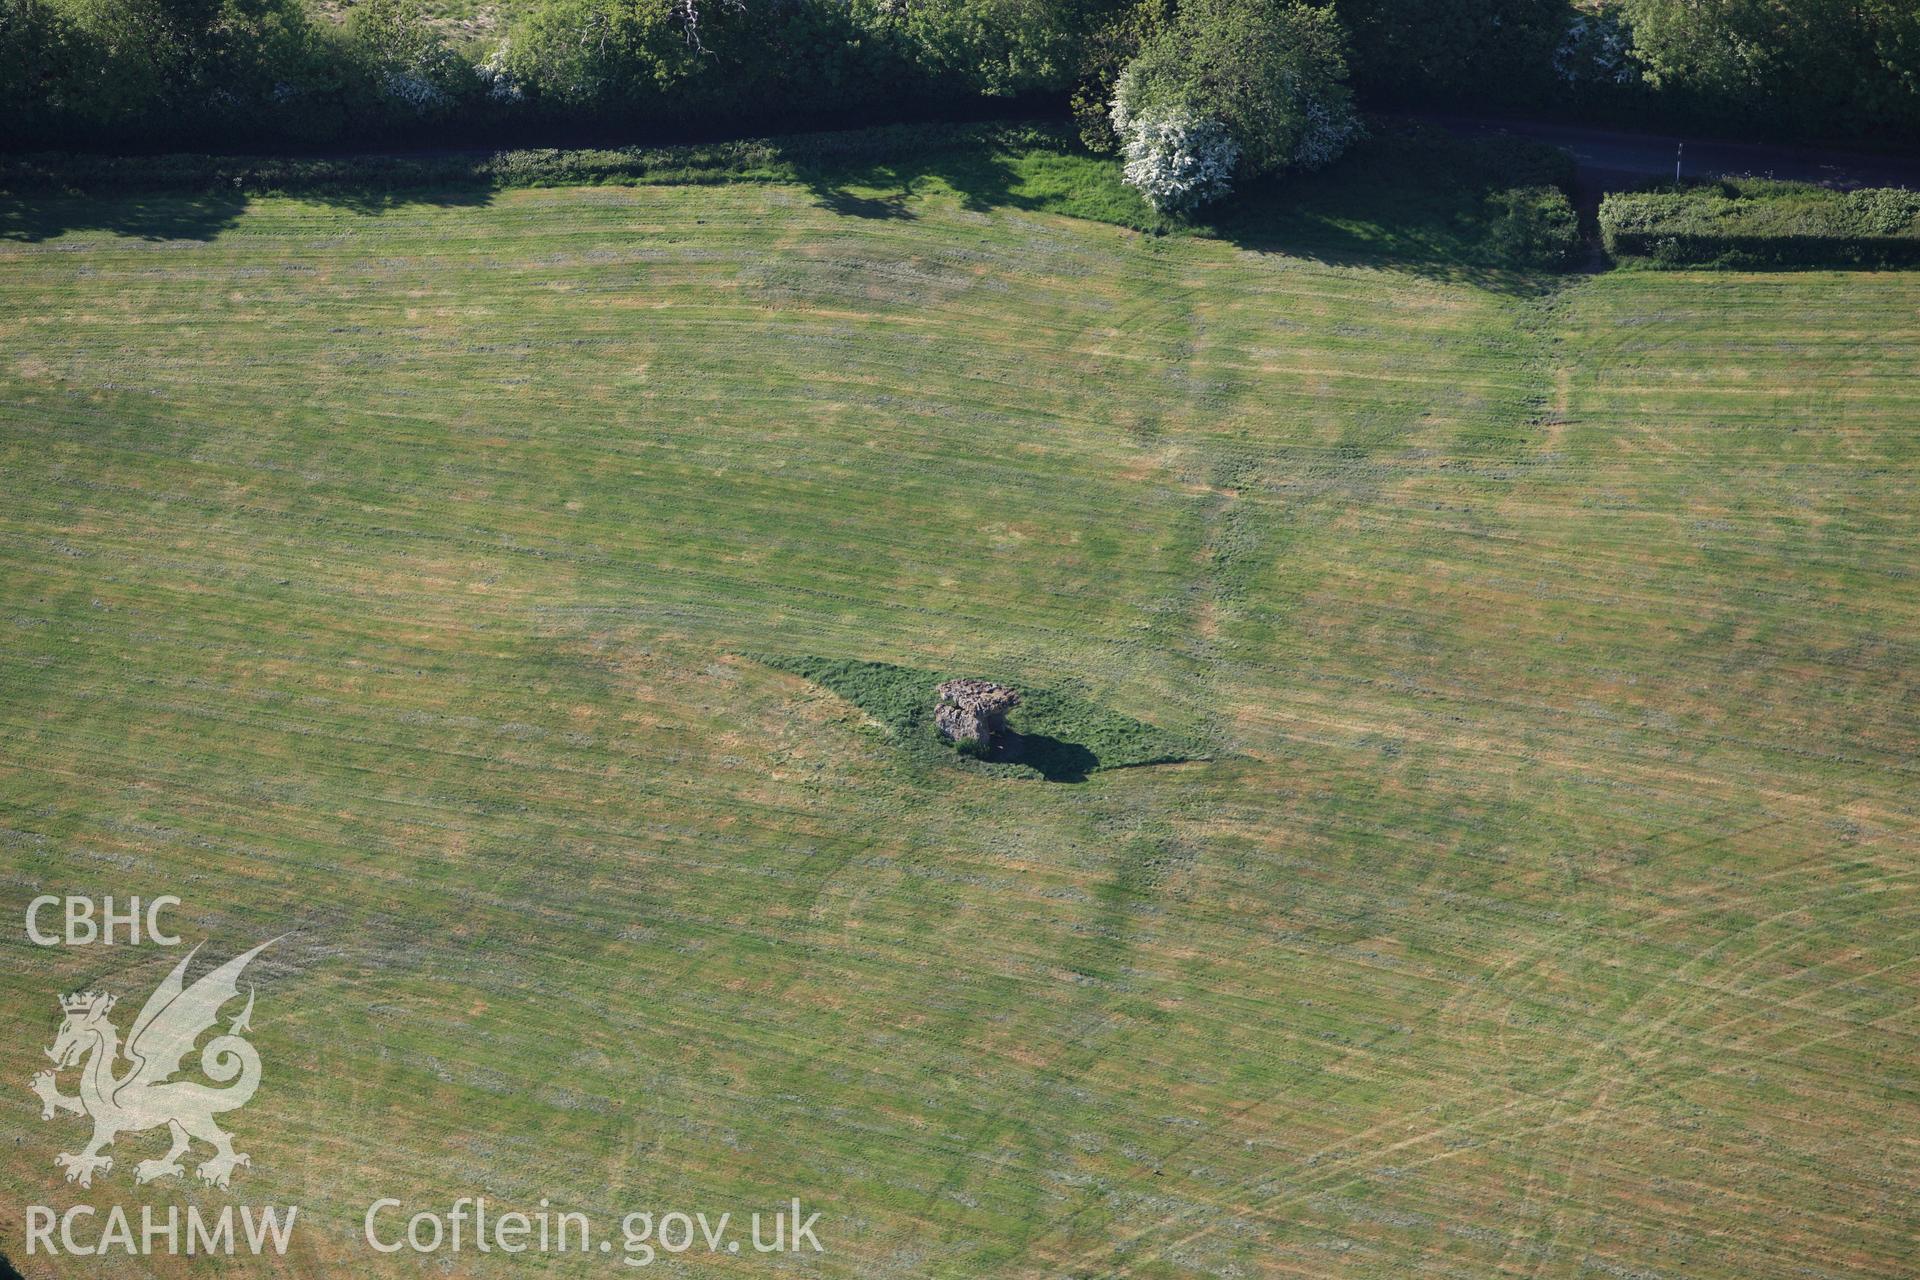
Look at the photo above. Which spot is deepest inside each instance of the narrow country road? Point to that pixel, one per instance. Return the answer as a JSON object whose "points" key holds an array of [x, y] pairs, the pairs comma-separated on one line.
{"points": [[1610, 159]]}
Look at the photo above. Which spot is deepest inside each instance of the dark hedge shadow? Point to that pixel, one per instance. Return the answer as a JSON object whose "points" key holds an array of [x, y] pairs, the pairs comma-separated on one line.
{"points": [[869, 173], [847, 204], [137, 217], [32, 219], [983, 179], [1490, 212], [375, 200]]}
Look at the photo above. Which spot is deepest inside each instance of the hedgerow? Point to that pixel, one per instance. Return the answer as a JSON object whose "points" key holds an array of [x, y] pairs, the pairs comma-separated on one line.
{"points": [[1751, 222], [1404, 191], [779, 159]]}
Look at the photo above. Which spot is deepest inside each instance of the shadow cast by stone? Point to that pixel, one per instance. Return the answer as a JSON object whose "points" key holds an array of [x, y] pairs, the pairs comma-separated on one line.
{"points": [[1050, 757]]}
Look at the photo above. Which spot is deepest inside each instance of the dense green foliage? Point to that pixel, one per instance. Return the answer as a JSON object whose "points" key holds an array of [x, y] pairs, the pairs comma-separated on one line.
{"points": [[638, 63], [105, 72], [138, 71], [115, 73], [1495, 52], [1752, 222], [1107, 51], [1534, 227], [1811, 68]]}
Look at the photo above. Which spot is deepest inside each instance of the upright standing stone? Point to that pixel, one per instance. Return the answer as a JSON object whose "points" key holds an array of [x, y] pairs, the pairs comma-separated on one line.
{"points": [[974, 710]]}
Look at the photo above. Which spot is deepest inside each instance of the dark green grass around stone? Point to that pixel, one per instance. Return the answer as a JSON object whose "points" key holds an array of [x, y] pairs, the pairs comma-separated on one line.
{"points": [[1059, 736]]}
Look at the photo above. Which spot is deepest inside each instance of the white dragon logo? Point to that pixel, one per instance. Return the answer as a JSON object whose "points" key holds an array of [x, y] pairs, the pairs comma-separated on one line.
{"points": [[170, 1022]]}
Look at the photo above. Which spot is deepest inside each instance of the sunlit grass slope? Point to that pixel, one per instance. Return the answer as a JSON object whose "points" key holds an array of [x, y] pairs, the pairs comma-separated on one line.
{"points": [[1545, 906]]}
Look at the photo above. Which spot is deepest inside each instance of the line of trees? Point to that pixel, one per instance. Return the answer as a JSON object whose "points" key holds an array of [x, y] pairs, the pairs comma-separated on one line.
{"points": [[1780, 68], [122, 73]]}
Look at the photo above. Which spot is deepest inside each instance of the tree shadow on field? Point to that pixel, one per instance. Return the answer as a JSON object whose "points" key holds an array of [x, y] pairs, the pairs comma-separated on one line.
{"points": [[373, 200], [158, 217], [981, 178], [1490, 212], [847, 204], [139, 217]]}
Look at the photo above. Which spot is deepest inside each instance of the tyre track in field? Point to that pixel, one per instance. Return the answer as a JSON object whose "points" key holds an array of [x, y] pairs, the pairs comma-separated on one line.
{"points": [[1595, 1067], [1352, 1166]]}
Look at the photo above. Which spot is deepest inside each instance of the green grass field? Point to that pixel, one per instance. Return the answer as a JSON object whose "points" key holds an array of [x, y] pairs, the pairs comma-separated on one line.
{"points": [[1545, 905]]}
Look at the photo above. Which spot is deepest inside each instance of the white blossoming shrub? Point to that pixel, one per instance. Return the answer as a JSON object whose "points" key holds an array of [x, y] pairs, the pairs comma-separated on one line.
{"points": [[1175, 159], [416, 72], [414, 91], [1126, 91], [1595, 50], [1232, 90], [496, 73]]}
